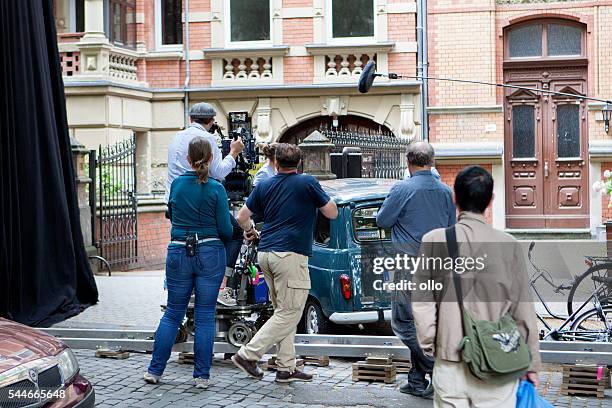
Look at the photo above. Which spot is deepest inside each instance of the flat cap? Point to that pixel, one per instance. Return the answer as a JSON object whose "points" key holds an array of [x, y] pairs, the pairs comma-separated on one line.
{"points": [[202, 110]]}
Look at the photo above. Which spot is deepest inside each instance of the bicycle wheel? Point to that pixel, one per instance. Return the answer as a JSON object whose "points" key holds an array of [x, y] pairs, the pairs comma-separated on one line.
{"points": [[593, 325], [584, 286]]}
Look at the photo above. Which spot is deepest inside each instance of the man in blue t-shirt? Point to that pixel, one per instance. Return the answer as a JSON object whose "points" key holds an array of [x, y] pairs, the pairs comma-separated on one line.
{"points": [[288, 204]]}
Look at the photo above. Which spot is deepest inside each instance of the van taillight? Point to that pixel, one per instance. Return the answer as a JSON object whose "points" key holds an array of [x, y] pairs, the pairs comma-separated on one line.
{"points": [[345, 286]]}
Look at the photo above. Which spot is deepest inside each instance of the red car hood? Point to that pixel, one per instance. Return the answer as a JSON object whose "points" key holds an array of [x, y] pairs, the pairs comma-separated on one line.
{"points": [[20, 344]]}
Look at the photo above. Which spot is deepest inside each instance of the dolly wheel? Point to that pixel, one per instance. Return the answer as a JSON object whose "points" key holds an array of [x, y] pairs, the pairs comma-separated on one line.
{"points": [[239, 334]]}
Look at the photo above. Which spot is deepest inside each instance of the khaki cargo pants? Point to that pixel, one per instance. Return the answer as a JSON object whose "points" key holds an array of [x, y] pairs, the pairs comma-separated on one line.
{"points": [[288, 280], [456, 387]]}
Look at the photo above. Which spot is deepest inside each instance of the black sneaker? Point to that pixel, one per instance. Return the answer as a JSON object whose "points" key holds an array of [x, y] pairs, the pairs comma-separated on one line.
{"points": [[249, 367], [296, 375], [426, 393]]}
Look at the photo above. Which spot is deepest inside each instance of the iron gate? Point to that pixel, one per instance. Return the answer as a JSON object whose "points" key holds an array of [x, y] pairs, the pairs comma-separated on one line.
{"points": [[383, 154], [117, 203]]}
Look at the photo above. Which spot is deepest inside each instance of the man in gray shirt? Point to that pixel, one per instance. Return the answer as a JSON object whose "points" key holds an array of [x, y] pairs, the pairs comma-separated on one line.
{"points": [[414, 207], [202, 117]]}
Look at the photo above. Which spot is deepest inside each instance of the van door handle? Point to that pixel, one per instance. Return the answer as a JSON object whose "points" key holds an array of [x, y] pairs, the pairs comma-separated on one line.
{"points": [[545, 169]]}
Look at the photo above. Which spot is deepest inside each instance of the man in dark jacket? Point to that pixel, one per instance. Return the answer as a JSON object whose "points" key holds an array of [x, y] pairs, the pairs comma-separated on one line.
{"points": [[413, 208]]}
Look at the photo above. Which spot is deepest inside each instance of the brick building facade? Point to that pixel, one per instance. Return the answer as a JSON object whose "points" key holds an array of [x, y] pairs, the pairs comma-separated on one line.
{"points": [[292, 65], [544, 151], [127, 69]]}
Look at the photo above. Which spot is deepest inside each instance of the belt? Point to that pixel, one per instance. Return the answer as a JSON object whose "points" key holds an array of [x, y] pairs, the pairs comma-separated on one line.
{"points": [[200, 241]]}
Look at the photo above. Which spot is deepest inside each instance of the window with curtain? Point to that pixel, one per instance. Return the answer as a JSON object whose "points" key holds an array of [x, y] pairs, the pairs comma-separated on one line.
{"points": [[352, 18], [249, 20], [171, 22]]}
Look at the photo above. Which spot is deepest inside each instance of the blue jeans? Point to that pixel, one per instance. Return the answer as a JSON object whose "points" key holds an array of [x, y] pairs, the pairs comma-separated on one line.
{"points": [[203, 272]]}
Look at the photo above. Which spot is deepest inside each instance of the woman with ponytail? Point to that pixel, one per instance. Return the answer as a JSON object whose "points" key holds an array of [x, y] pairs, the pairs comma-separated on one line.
{"points": [[200, 218]]}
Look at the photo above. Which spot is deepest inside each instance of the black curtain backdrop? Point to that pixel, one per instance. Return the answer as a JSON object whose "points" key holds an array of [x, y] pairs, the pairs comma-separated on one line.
{"points": [[45, 275]]}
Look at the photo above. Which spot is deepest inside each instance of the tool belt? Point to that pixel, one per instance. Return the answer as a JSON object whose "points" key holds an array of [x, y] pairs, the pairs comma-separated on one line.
{"points": [[191, 243]]}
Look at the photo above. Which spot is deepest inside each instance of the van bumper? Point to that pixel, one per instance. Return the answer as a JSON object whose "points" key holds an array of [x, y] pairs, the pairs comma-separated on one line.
{"points": [[371, 316]]}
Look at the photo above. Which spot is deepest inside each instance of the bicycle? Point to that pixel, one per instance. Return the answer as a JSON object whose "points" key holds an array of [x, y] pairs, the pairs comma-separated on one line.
{"points": [[592, 324]]}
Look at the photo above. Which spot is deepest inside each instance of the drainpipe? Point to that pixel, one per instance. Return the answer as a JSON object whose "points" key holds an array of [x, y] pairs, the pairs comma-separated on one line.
{"points": [[187, 67], [422, 65]]}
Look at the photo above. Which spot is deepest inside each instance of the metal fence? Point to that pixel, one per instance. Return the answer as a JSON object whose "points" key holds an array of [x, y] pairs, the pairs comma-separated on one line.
{"points": [[384, 155], [117, 204]]}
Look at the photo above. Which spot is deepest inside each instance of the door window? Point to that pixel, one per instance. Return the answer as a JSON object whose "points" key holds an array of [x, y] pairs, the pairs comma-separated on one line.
{"points": [[564, 40], [523, 132], [526, 41], [568, 131]]}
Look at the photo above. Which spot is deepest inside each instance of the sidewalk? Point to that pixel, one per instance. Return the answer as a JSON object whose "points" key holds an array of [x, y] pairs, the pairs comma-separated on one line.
{"points": [[127, 300]]}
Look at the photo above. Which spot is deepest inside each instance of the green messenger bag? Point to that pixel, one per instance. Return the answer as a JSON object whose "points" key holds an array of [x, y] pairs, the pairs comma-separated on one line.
{"points": [[494, 351]]}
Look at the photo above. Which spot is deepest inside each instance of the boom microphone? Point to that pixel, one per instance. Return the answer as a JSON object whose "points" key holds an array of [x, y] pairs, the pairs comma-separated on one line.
{"points": [[367, 77], [369, 73]]}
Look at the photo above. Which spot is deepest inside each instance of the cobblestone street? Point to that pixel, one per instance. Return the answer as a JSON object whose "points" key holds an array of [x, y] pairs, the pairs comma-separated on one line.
{"points": [[132, 301], [118, 383]]}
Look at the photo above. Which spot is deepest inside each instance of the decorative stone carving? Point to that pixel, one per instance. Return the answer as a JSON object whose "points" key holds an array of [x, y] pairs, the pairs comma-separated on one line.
{"points": [[263, 120], [334, 106], [407, 128]]}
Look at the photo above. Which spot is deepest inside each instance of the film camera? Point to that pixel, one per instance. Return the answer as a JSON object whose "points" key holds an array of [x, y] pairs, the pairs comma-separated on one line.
{"points": [[238, 183]]}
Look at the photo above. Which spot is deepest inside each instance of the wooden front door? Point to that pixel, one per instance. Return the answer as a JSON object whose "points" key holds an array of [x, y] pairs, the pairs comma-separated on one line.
{"points": [[546, 150]]}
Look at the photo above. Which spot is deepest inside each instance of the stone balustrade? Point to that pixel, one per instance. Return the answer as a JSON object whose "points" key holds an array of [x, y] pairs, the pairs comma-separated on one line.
{"points": [[247, 68], [346, 65], [122, 66]]}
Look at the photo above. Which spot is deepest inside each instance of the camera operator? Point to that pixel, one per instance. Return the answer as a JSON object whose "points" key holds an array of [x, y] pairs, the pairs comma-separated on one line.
{"points": [[202, 116], [288, 203]]}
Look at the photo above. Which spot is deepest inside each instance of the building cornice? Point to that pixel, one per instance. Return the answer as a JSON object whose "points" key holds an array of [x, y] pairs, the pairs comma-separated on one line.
{"points": [[274, 51], [440, 110], [600, 148], [488, 151], [326, 49], [106, 87]]}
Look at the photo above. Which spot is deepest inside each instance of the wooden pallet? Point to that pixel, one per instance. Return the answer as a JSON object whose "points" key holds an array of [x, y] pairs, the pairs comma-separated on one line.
{"points": [[402, 365], [271, 364], [115, 354], [319, 361], [186, 358], [584, 380], [370, 371]]}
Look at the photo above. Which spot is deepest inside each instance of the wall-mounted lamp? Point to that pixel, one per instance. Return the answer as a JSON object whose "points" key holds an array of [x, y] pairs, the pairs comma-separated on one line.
{"points": [[605, 111]]}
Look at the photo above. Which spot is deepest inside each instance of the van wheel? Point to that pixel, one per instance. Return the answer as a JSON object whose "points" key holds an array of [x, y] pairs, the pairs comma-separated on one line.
{"points": [[315, 321]]}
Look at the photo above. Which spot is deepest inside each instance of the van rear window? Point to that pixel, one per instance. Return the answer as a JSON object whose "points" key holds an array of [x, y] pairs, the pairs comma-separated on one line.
{"points": [[365, 228]]}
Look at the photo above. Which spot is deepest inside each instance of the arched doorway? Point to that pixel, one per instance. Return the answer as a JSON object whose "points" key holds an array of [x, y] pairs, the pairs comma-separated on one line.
{"points": [[383, 154], [351, 123], [546, 158]]}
